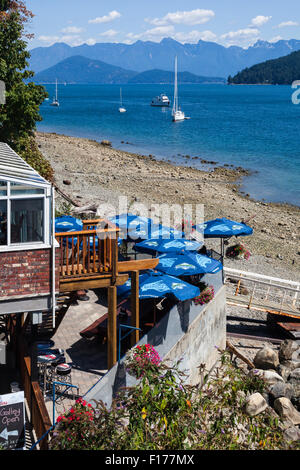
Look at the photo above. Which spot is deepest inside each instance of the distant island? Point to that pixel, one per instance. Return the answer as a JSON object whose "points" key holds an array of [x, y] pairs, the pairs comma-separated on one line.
{"points": [[282, 71], [82, 70], [164, 76]]}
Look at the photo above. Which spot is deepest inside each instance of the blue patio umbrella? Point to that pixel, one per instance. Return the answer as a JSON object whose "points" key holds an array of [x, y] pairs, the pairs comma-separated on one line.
{"points": [[161, 245], [187, 264], [135, 228], [156, 284], [67, 223], [223, 228]]}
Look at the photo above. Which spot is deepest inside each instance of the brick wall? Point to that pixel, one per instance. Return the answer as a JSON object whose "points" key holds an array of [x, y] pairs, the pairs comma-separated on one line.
{"points": [[27, 273]]}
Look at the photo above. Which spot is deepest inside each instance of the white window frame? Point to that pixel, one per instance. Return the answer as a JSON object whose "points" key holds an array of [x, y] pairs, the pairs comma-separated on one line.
{"points": [[47, 201]]}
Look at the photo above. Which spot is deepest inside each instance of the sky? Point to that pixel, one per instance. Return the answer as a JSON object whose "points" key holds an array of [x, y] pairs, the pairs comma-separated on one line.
{"points": [[230, 22]]}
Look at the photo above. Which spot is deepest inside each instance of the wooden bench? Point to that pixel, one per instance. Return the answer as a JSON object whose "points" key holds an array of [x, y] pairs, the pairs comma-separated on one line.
{"points": [[99, 327]]}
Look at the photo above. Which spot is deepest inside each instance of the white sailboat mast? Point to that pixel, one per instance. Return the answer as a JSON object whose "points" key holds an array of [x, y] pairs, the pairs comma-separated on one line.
{"points": [[175, 104]]}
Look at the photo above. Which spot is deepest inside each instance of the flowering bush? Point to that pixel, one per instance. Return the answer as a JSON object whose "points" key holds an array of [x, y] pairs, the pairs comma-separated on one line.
{"points": [[140, 359], [74, 424], [238, 250], [206, 296], [163, 412]]}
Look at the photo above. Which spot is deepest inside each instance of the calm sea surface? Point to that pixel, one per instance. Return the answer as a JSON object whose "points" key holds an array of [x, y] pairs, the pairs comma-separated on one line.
{"points": [[256, 127]]}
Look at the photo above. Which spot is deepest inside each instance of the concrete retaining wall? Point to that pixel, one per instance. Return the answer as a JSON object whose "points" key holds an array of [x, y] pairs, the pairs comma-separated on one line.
{"points": [[189, 332]]}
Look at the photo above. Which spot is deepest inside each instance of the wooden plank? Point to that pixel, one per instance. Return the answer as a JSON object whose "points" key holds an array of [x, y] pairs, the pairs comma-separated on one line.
{"points": [[137, 265], [135, 307], [112, 327], [88, 283]]}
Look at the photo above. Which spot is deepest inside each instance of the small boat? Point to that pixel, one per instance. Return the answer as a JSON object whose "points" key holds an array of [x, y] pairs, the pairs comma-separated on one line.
{"points": [[55, 101], [161, 100], [177, 114], [121, 108]]}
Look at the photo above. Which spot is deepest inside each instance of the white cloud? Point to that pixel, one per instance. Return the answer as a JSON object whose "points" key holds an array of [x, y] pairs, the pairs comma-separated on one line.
{"points": [[154, 34], [288, 23], [89, 42], [113, 15], [242, 37], [48, 38], [195, 36], [109, 33], [71, 40], [72, 30], [260, 20], [275, 39], [161, 32], [192, 17]]}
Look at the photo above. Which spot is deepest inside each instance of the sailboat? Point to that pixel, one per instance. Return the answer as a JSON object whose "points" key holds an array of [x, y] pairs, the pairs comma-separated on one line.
{"points": [[121, 108], [177, 114], [55, 101]]}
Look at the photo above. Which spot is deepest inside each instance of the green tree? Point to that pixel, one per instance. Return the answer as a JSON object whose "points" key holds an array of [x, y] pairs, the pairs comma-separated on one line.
{"points": [[19, 114]]}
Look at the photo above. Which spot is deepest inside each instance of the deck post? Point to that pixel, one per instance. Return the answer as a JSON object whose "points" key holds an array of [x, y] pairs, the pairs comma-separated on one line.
{"points": [[112, 327], [135, 307]]}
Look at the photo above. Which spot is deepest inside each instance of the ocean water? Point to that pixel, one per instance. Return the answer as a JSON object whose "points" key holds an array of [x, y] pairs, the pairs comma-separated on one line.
{"points": [[256, 127]]}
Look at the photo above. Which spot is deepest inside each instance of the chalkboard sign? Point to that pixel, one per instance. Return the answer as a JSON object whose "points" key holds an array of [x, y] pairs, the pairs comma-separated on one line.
{"points": [[12, 421]]}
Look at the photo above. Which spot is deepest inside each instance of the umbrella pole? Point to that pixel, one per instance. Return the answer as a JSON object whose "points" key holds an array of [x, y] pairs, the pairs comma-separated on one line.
{"points": [[135, 307]]}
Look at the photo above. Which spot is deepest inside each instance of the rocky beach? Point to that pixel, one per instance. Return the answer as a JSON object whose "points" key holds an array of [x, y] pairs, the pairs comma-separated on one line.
{"points": [[92, 172]]}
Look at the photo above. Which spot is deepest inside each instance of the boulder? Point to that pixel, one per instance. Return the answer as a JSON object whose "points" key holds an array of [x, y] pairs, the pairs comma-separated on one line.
{"points": [[255, 404], [292, 434], [266, 358], [281, 389], [291, 364], [294, 376], [286, 410], [286, 350], [268, 376], [283, 371]]}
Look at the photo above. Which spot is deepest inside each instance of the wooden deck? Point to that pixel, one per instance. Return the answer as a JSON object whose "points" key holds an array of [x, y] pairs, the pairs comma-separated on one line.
{"points": [[89, 260]]}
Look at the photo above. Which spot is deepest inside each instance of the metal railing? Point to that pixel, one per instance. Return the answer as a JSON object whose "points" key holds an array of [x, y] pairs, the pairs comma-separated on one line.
{"points": [[261, 292]]}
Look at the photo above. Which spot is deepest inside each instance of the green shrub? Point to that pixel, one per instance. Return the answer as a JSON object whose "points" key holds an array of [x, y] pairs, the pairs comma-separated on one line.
{"points": [[161, 412]]}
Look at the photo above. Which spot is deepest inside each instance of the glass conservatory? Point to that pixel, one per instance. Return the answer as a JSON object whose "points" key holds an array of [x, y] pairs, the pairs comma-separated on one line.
{"points": [[25, 204]]}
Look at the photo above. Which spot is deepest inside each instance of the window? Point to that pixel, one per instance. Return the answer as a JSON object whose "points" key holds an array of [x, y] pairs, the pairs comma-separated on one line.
{"points": [[3, 223], [27, 224], [17, 189], [24, 215]]}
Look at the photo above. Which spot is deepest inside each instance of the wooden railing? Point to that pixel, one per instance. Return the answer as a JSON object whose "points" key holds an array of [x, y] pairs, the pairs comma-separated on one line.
{"points": [[90, 251], [39, 416]]}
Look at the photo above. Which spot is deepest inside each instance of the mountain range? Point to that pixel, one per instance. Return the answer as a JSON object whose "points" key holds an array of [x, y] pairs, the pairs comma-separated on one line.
{"points": [[204, 58], [80, 70]]}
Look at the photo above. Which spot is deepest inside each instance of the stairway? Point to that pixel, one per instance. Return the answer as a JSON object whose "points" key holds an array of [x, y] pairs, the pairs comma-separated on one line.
{"points": [[45, 329]]}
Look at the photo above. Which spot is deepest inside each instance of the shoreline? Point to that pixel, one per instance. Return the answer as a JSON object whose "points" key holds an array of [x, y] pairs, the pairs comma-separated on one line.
{"points": [[89, 171]]}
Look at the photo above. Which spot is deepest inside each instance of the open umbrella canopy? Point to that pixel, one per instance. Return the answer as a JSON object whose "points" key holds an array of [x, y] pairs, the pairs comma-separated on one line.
{"points": [[67, 223], [155, 285], [161, 245], [187, 264], [223, 228], [134, 227]]}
